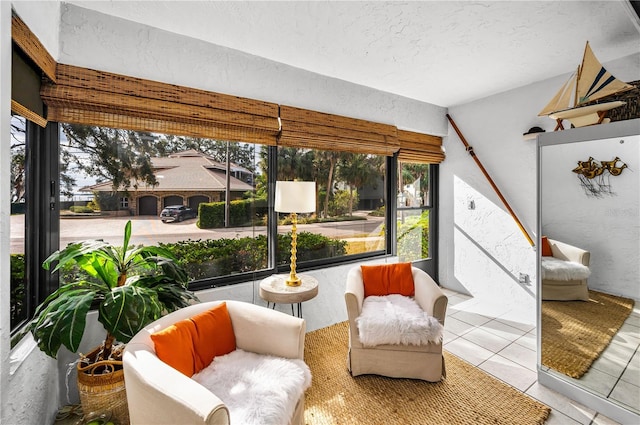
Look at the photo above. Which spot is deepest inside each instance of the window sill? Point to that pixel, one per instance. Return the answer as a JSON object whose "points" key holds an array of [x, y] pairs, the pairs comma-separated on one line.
{"points": [[20, 352]]}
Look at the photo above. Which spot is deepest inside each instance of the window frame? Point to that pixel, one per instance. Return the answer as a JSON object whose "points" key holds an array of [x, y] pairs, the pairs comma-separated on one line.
{"points": [[42, 215]]}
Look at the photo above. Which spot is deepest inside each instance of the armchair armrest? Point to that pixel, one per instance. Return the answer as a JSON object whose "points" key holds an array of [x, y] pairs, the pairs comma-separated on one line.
{"points": [[429, 295], [354, 293], [161, 395], [567, 252]]}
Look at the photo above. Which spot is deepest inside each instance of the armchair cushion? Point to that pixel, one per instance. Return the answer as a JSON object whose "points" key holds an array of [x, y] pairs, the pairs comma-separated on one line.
{"points": [[245, 380], [557, 269], [396, 319], [385, 279], [191, 344]]}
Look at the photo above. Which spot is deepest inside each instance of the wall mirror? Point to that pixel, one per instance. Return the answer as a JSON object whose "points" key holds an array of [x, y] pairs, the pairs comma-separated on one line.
{"points": [[589, 201]]}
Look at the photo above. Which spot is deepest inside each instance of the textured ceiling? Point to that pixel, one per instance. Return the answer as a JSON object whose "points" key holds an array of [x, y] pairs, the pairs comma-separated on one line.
{"points": [[441, 52]]}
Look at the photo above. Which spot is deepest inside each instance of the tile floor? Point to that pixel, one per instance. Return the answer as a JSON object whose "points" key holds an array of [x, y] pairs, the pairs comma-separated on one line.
{"points": [[493, 338], [506, 349]]}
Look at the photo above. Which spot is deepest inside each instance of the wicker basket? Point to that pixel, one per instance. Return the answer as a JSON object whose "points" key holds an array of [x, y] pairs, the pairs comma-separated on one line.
{"points": [[102, 391]]}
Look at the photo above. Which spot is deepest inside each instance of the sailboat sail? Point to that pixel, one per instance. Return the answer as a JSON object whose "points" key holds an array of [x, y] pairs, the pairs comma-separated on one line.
{"points": [[591, 82], [595, 81], [563, 98]]}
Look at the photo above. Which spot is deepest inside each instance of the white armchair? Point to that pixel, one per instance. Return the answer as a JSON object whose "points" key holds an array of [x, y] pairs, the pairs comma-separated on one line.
{"points": [[159, 394], [424, 362], [566, 289]]}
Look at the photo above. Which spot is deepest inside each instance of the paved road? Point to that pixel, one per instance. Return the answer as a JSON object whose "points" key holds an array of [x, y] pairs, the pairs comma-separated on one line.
{"points": [[150, 230]]}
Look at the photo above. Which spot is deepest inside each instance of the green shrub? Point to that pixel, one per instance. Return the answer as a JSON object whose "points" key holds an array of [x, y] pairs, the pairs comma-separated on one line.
{"points": [[221, 257], [413, 237], [80, 209], [380, 212], [242, 212], [93, 205], [107, 201], [17, 294]]}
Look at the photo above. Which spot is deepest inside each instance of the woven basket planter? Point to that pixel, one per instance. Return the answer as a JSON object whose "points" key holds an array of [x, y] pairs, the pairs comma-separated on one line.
{"points": [[101, 388]]}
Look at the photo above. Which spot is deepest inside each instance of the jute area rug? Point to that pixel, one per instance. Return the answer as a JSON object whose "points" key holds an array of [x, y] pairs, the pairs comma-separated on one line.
{"points": [[575, 333], [466, 396]]}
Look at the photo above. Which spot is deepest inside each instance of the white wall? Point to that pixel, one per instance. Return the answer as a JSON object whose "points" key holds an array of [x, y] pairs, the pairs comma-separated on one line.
{"points": [[28, 379], [608, 226], [43, 19], [482, 251]]}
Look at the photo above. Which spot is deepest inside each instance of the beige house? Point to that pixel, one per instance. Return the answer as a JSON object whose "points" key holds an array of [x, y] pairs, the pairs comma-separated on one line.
{"points": [[185, 178]]}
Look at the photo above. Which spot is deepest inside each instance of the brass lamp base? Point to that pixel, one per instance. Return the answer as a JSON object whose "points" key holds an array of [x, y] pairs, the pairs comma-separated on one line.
{"points": [[293, 281]]}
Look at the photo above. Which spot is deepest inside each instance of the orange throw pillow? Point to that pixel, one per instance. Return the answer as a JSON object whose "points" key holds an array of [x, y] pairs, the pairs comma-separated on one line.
{"points": [[546, 247], [191, 344], [174, 346], [386, 279], [213, 335]]}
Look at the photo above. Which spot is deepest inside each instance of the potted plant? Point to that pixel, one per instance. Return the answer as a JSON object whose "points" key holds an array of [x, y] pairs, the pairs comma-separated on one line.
{"points": [[130, 286]]}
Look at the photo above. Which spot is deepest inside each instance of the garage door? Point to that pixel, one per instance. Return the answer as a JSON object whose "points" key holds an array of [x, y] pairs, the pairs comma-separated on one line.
{"points": [[195, 201], [148, 205], [172, 200]]}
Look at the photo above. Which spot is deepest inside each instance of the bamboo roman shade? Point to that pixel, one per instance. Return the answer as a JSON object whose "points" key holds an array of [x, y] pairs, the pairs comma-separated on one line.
{"points": [[29, 62], [86, 96], [317, 130], [420, 148]]}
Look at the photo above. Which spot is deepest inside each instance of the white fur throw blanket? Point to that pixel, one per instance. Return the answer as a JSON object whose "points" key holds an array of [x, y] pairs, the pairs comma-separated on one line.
{"points": [[256, 388], [556, 269], [396, 319]]}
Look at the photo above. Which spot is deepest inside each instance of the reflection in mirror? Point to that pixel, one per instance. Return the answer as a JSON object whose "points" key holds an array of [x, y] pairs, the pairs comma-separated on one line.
{"points": [[590, 265]]}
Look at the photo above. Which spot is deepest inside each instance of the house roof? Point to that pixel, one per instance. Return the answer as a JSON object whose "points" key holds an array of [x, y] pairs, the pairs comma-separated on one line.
{"points": [[188, 171]]}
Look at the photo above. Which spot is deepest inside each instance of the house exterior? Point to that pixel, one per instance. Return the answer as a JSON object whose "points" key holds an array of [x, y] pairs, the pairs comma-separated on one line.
{"points": [[185, 178]]}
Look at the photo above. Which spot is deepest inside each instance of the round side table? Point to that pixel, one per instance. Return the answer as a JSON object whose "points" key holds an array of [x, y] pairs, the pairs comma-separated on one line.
{"points": [[274, 289]]}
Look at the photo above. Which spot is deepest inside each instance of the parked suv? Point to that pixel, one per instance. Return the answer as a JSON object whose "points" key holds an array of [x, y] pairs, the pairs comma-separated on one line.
{"points": [[177, 213]]}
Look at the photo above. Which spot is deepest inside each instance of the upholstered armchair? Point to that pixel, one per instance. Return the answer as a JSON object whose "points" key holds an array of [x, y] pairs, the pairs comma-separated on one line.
{"points": [[564, 272], [159, 394], [423, 361]]}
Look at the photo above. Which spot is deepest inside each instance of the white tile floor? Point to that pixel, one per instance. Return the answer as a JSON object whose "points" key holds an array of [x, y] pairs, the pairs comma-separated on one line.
{"points": [[506, 349]]}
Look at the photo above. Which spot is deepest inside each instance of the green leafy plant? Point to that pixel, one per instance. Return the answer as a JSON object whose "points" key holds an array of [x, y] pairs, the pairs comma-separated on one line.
{"points": [[131, 286]]}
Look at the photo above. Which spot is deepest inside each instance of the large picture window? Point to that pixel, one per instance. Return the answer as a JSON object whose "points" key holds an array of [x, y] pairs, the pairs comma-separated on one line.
{"points": [[203, 199], [350, 209]]}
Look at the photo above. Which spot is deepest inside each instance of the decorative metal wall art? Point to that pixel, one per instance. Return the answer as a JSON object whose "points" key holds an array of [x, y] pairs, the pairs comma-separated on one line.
{"points": [[594, 175]]}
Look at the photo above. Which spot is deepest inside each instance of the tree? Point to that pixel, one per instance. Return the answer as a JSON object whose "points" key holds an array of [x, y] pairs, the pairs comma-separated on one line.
{"points": [[412, 172], [325, 163], [358, 170], [18, 157], [121, 156]]}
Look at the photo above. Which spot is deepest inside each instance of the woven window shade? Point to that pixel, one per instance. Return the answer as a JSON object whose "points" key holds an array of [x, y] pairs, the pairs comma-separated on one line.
{"points": [[30, 62], [86, 96], [316, 130], [420, 148]]}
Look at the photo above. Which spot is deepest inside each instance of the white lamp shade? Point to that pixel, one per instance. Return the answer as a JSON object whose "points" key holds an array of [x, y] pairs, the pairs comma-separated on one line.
{"points": [[295, 197]]}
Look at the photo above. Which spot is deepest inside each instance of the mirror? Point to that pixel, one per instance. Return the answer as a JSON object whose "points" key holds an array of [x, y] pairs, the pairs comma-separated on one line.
{"points": [[589, 208]]}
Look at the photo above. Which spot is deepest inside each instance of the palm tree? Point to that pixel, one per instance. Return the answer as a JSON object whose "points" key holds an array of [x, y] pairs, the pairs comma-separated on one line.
{"points": [[358, 170]]}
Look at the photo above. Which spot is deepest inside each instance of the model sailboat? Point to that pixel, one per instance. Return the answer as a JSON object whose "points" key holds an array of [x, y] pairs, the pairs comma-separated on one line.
{"points": [[590, 82]]}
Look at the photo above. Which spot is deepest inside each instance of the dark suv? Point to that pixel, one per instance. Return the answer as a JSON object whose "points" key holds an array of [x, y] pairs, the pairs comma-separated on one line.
{"points": [[177, 213]]}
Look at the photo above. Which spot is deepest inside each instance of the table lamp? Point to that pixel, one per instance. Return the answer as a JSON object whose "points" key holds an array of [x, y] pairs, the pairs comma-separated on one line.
{"points": [[295, 197]]}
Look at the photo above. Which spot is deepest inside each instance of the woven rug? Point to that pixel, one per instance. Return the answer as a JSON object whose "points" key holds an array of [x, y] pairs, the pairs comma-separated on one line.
{"points": [[574, 333], [466, 396]]}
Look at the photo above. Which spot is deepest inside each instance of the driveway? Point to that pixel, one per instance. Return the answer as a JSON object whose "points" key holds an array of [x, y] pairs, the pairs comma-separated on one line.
{"points": [[150, 230]]}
